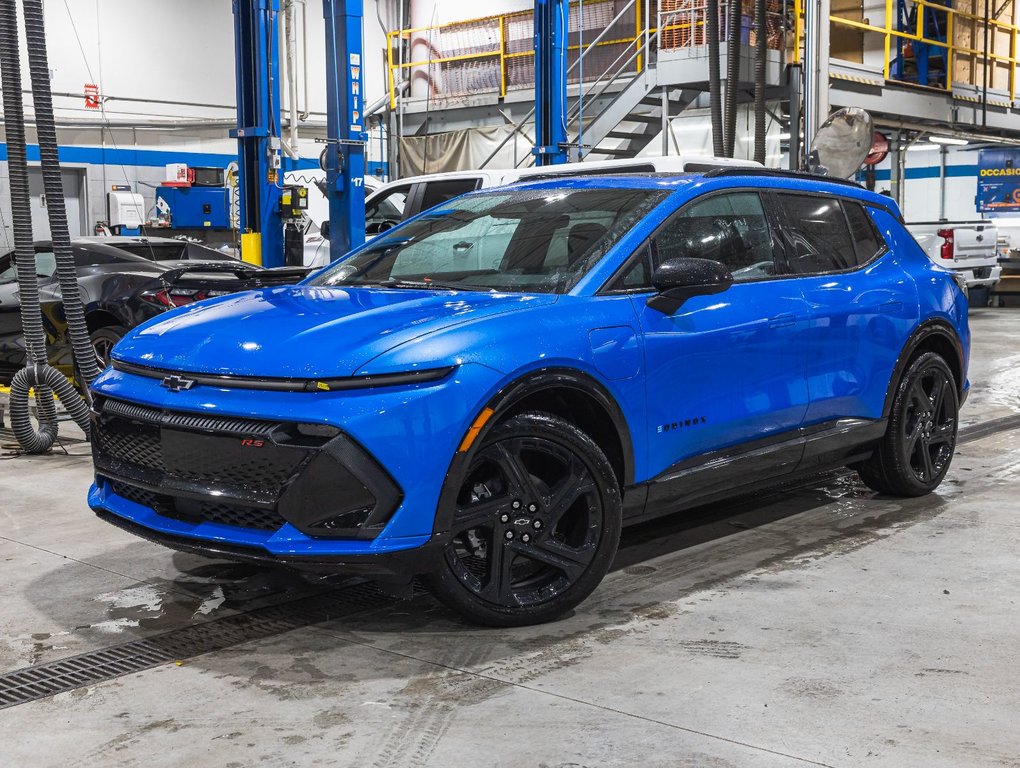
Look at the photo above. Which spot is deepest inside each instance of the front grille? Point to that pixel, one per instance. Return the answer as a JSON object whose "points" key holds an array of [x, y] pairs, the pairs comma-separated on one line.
{"points": [[137, 495], [195, 449]]}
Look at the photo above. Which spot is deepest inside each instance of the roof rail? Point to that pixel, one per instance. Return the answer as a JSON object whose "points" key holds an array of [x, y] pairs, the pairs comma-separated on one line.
{"points": [[778, 173]]}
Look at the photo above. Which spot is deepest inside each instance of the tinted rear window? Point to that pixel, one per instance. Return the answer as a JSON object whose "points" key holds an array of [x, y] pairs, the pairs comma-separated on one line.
{"points": [[817, 236]]}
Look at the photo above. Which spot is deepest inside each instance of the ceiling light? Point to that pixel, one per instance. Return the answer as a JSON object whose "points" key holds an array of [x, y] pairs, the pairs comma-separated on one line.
{"points": [[922, 148], [948, 140]]}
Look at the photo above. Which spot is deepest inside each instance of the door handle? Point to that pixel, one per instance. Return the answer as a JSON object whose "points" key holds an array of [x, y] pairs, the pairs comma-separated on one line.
{"points": [[782, 321]]}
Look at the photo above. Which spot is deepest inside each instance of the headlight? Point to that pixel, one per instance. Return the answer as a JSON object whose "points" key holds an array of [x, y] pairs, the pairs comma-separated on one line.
{"points": [[961, 282]]}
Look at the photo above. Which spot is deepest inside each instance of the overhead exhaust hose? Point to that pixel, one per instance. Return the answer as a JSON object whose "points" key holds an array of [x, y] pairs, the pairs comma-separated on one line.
{"points": [[714, 82], [42, 98], [732, 74], [24, 251], [44, 378], [39, 374], [760, 52]]}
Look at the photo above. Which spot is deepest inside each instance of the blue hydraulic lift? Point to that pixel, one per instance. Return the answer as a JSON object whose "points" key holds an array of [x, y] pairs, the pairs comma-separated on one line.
{"points": [[551, 29], [258, 133]]}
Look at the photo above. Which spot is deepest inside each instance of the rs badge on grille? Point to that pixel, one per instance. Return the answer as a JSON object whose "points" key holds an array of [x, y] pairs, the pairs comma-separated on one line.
{"points": [[177, 383]]}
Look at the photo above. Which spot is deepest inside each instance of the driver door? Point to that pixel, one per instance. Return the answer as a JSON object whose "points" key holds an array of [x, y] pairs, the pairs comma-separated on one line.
{"points": [[725, 373]]}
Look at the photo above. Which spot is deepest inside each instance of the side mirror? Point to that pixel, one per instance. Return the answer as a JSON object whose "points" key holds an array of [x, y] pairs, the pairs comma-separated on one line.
{"points": [[677, 280], [324, 229]]}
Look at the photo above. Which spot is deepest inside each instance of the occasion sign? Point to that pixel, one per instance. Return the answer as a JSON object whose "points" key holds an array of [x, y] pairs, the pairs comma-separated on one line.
{"points": [[998, 187]]}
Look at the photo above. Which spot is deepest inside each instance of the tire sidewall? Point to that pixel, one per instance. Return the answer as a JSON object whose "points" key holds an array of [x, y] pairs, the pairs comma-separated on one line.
{"points": [[916, 370], [448, 587]]}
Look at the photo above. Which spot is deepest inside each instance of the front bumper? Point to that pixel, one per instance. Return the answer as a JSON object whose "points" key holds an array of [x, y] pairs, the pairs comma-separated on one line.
{"points": [[409, 434]]}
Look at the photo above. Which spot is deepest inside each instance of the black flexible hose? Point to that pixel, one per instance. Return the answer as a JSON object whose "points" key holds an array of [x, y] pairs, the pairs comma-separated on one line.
{"points": [[714, 82], [760, 52], [42, 98], [44, 378], [732, 73], [24, 251]]}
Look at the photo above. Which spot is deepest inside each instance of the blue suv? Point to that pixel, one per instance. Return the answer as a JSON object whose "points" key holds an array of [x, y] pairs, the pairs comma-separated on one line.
{"points": [[485, 394]]}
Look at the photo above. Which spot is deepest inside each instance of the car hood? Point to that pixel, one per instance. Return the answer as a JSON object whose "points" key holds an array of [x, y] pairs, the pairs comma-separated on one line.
{"points": [[305, 331]]}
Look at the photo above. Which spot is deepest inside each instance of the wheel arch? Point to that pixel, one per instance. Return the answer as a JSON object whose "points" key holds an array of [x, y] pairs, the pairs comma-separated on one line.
{"points": [[566, 392], [934, 335], [98, 317]]}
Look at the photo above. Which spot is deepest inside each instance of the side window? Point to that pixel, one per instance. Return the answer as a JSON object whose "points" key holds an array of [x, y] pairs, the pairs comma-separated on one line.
{"points": [[817, 236], [862, 229], [730, 228], [386, 210], [636, 275], [46, 263], [437, 192], [86, 257]]}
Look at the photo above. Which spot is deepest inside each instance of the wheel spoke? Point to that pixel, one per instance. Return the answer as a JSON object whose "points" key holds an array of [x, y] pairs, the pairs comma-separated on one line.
{"points": [[938, 393], [577, 483], [478, 514], [498, 579], [926, 471], [570, 561], [517, 474], [918, 394]]}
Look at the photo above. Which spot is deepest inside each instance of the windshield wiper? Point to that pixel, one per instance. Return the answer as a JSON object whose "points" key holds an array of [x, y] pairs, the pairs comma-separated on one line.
{"points": [[393, 282]]}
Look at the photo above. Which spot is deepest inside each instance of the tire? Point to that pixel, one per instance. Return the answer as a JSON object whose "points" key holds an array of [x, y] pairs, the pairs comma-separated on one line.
{"points": [[914, 455], [536, 524], [103, 340]]}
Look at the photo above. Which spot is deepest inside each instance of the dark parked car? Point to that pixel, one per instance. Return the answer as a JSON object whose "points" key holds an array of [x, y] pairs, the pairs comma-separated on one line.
{"points": [[162, 248], [119, 290]]}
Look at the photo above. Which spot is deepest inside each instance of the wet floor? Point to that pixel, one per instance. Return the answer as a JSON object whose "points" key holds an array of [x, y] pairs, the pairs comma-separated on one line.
{"points": [[817, 624]]}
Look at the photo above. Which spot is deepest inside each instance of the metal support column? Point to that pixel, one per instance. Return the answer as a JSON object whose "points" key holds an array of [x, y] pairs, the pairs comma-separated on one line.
{"points": [[550, 82], [256, 55], [345, 127], [816, 70]]}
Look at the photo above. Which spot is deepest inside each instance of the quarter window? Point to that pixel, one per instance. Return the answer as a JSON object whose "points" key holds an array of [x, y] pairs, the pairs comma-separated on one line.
{"points": [[437, 192], [817, 236], [866, 239]]}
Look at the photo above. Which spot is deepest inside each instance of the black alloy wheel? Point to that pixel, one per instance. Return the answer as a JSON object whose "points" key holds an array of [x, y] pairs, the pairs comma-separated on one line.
{"points": [[535, 527], [914, 455], [103, 341]]}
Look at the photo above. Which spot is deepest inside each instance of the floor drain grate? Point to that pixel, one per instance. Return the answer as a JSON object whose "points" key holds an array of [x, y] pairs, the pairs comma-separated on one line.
{"points": [[98, 666]]}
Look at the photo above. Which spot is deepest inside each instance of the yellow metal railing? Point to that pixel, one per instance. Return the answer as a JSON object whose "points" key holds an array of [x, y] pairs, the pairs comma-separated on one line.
{"points": [[494, 57], [920, 34], [490, 53]]}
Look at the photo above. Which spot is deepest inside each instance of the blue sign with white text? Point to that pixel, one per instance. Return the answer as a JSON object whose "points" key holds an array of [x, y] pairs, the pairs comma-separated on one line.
{"points": [[998, 187]]}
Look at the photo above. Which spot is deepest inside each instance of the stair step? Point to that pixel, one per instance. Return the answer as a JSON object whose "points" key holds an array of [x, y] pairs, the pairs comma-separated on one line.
{"points": [[643, 119], [621, 135], [652, 101], [612, 152]]}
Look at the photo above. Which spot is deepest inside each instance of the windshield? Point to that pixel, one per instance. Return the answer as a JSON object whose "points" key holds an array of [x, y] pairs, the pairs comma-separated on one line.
{"points": [[539, 241]]}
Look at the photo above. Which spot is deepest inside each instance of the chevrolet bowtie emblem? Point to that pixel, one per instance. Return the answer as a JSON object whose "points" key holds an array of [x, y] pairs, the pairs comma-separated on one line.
{"points": [[177, 383]]}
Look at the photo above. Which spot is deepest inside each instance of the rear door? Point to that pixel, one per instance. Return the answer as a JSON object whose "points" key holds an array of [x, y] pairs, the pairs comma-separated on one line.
{"points": [[861, 304]]}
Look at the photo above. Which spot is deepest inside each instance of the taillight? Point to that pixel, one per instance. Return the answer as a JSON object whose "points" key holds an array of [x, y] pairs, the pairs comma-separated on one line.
{"points": [[172, 299], [946, 251]]}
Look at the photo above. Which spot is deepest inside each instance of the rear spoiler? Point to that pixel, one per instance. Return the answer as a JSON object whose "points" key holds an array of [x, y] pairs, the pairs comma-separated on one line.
{"points": [[248, 276]]}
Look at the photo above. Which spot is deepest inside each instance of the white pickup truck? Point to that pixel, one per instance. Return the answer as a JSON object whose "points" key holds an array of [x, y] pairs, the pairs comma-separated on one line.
{"points": [[967, 247]]}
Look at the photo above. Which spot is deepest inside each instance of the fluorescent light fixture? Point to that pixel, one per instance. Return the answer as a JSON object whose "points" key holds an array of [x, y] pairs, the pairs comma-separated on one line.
{"points": [[922, 147], [951, 141]]}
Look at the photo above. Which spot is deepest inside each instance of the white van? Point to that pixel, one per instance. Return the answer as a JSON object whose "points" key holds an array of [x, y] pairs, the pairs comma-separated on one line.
{"points": [[401, 199], [404, 198]]}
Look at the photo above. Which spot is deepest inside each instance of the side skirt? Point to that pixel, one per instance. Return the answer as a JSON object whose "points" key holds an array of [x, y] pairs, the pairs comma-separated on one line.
{"points": [[750, 466]]}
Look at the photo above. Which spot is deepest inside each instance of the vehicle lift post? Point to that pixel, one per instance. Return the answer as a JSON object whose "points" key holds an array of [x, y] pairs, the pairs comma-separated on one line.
{"points": [[346, 138], [257, 61], [551, 144]]}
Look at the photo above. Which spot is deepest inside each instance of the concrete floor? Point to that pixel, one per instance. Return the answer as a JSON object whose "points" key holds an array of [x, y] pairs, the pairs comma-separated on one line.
{"points": [[817, 625]]}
